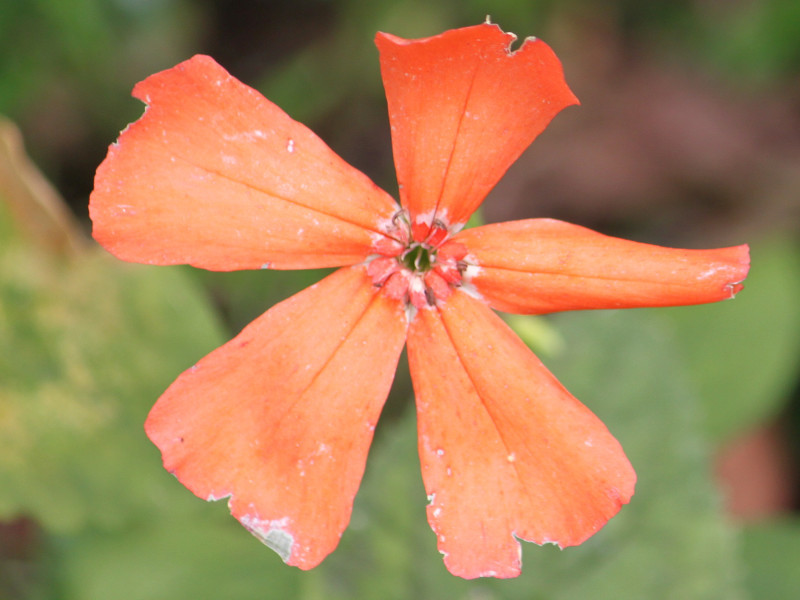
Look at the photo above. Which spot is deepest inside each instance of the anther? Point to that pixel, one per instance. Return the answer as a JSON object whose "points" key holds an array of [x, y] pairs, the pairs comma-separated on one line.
{"points": [[430, 296]]}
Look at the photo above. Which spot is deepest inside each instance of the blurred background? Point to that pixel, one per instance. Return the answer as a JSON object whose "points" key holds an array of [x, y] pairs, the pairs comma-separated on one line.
{"points": [[688, 135]]}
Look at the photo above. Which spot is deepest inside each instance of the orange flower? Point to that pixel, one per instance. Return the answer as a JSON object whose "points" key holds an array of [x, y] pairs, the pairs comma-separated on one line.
{"points": [[280, 419]]}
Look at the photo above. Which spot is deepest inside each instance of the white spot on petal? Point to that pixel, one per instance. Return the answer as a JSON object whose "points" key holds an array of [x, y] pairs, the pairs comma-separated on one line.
{"points": [[271, 533], [213, 497], [710, 273], [410, 312], [471, 271], [426, 217], [470, 290]]}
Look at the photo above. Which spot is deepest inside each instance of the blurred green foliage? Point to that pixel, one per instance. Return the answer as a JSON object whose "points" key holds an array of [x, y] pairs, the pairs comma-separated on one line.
{"points": [[770, 550], [88, 343], [742, 356], [670, 542]]}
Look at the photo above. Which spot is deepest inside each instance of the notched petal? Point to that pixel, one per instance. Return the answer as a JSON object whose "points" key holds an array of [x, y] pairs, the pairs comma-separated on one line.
{"points": [[462, 109], [281, 417], [217, 176], [516, 456], [272, 534], [537, 266]]}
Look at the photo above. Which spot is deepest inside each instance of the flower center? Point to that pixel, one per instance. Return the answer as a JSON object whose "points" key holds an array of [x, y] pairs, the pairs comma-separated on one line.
{"points": [[417, 263], [419, 257]]}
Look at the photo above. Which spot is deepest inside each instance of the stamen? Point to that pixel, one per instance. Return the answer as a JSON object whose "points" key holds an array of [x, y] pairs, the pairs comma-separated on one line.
{"points": [[430, 296], [437, 234], [401, 216]]}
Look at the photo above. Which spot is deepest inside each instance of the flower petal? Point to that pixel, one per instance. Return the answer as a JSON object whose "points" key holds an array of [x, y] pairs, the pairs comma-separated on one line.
{"points": [[538, 266], [463, 107], [217, 176], [281, 417], [506, 451]]}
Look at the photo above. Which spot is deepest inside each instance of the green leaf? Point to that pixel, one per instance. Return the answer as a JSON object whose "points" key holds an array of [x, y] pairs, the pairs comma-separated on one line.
{"points": [[244, 295], [742, 354], [671, 542], [180, 558], [673, 539], [88, 344]]}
